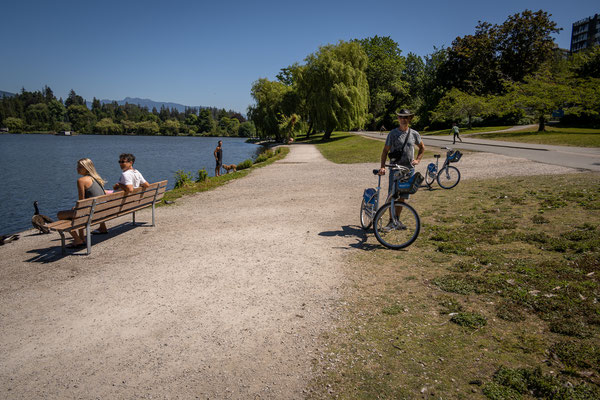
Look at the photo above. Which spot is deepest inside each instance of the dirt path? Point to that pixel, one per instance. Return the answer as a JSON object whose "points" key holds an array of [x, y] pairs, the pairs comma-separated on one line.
{"points": [[225, 298]]}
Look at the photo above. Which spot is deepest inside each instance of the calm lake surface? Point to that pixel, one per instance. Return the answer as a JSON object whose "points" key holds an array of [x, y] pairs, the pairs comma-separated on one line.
{"points": [[43, 167]]}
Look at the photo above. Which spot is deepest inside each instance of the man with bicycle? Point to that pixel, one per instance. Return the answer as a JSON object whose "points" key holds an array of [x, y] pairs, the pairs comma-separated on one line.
{"points": [[400, 146]]}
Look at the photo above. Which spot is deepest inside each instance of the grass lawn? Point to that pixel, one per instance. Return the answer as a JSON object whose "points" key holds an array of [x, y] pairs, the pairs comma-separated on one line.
{"points": [[554, 136], [349, 148], [497, 298], [465, 131]]}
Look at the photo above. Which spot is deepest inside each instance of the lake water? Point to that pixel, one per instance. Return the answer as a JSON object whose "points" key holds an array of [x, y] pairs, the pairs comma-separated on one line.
{"points": [[43, 167]]}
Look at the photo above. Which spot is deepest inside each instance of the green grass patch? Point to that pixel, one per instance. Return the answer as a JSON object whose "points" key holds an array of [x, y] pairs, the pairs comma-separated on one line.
{"points": [[522, 253], [465, 131], [553, 135], [350, 148], [190, 186]]}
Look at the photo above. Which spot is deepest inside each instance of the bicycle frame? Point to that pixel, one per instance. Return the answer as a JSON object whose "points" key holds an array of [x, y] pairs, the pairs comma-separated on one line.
{"points": [[437, 169], [401, 173]]}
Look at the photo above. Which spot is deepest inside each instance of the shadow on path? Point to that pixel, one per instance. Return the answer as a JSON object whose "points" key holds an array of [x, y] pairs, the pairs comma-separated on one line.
{"points": [[54, 252], [354, 231]]}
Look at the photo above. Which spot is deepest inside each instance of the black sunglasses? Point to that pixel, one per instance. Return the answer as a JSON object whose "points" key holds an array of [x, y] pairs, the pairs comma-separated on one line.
{"points": [[123, 161]]}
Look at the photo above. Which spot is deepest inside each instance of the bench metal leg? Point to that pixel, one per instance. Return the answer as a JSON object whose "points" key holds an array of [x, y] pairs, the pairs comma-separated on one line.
{"points": [[153, 214], [62, 243], [133, 218], [88, 239]]}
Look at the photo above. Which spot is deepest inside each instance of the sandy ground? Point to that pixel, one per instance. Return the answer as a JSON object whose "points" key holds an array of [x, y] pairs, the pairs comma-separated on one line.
{"points": [[225, 298]]}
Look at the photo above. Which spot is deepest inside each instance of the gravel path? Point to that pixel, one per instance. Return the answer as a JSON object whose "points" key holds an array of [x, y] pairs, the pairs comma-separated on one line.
{"points": [[225, 298]]}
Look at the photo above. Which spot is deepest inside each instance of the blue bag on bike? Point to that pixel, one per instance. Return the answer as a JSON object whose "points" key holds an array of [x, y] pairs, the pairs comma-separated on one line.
{"points": [[411, 185], [455, 156], [369, 195]]}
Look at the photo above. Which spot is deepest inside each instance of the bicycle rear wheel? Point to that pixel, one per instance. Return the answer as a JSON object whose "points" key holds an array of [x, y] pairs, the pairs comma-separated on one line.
{"points": [[400, 232], [367, 211], [448, 177], [429, 178]]}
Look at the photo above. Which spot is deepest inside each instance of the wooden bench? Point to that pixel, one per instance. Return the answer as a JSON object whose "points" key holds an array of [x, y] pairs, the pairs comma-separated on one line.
{"points": [[95, 210]]}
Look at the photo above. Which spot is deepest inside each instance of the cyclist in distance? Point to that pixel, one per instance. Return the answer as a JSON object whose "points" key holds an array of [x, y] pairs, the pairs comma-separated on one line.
{"points": [[400, 146]]}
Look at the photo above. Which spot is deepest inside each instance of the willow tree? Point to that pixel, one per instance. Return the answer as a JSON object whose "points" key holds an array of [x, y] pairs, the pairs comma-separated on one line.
{"points": [[334, 86], [269, 110]]}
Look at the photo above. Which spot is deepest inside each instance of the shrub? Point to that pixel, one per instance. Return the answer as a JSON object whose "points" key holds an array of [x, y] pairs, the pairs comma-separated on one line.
{"points": [[183, 178], [244, 164], [202, 175], [264, 156]]}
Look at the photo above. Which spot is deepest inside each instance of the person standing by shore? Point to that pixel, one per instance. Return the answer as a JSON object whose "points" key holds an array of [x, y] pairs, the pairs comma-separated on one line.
{"points": [[218, 158], [455, 132]]}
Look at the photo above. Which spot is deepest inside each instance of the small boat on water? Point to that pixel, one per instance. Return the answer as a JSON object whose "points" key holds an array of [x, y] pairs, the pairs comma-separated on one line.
{"points": [[64, 133]]}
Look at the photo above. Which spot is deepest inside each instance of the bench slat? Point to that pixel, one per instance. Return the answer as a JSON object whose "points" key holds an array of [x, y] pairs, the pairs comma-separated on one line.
{"points": [[111, 206], [117, 210]]}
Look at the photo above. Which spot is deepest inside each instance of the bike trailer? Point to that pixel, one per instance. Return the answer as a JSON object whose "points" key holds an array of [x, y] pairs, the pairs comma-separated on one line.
{"points": [[454, 156], [411, 185], [369, 195]]}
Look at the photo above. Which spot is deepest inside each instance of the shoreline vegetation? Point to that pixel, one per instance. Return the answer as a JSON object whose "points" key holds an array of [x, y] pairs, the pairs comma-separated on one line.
{"points": [[186, 183], [497, 299]]}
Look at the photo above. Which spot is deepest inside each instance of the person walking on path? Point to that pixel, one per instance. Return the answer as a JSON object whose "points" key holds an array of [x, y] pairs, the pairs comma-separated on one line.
{"points": [[455, 132], [218, 158]]}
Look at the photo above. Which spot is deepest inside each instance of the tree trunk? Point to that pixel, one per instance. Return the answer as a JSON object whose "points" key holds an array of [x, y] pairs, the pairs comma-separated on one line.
{"points": [[310, 130], [327, 135], [470, 122], [542, 122]]}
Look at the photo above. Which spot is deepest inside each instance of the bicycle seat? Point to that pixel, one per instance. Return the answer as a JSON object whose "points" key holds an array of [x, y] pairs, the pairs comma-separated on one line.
{"points": [[437, 156], [375, 171]]}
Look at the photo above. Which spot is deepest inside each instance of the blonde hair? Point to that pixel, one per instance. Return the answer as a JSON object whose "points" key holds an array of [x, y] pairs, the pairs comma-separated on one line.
{"points": [[88, 165]]}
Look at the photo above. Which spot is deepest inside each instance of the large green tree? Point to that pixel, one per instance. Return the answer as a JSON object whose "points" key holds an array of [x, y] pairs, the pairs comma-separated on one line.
{"points": [[525, 43], [81, 118], [387, 89], [335, 87], [456, 105], [268, 110], [539, 95]]}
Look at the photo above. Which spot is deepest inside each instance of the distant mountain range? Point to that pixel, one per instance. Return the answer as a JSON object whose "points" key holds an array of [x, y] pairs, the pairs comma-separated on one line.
{"points": [[146, 103], [130, 100]]}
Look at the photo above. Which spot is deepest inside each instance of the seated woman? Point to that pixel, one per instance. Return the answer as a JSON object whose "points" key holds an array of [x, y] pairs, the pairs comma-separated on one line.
{"points": [[89, 185]]}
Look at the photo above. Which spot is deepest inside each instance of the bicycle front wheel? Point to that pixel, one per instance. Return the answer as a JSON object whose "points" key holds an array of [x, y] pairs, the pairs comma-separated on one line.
{"points": [[399, 230], [366, 214], [448, 177]]}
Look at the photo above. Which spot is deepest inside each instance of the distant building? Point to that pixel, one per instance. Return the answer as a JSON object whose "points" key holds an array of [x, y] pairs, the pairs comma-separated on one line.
{"points": [[585, 33]]}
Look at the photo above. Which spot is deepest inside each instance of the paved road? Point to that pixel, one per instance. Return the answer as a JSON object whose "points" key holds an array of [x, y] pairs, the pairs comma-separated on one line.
{"points": [[587, 158]]}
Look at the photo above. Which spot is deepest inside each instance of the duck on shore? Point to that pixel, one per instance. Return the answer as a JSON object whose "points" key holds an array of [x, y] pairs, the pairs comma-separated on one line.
{"points": [[39, 221]]}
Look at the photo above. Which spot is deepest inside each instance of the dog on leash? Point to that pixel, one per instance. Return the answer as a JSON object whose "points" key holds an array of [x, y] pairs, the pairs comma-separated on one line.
{"points": [[230, 167]]}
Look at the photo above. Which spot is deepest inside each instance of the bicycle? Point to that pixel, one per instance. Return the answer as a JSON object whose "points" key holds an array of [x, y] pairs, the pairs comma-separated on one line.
{"points": [[389, 230], [448, 176]]}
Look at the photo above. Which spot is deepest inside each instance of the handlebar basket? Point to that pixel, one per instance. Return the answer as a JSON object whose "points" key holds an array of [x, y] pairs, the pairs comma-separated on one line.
{"points": [[411, 185], [454, 156]]}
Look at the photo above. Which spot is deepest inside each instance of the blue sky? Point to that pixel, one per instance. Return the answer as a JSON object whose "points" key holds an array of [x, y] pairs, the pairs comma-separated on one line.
{"points": [[210, 53]]}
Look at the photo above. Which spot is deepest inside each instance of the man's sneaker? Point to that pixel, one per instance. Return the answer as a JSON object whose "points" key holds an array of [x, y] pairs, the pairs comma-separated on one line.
{"points": [[391, 226]]}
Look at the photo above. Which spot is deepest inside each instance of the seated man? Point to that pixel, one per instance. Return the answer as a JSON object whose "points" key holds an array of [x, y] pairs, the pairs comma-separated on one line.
{"points": [[130, 178]]}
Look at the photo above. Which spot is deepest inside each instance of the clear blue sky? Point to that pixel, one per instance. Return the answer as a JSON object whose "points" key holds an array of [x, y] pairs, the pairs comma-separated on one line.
{"points": [[209, 53]]}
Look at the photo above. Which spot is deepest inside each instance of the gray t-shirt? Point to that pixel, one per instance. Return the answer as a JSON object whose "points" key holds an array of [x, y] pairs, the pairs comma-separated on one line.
{"points": [[395, 140]]}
